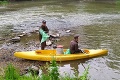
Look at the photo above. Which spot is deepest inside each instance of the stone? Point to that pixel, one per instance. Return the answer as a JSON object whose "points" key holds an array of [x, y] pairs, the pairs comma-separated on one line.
{"points": [[33, 70], [54, 46], [33, 31], [15, 39], [21, 35], [27, 69], [1, 39], [26, 43], [67, 31], [48, 43], [24, 33], [1, 71], [36, 30], [55, 35], [58, 35]]}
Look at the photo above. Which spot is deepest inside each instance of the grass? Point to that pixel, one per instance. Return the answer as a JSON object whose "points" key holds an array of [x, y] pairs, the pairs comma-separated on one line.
{"points": [[11, 73], [84, 76], [52, 73], [118, 2], [3, 3]]}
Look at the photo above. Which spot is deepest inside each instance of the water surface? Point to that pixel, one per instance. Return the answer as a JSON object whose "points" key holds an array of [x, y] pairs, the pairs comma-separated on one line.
{"points": [[97, 23]]}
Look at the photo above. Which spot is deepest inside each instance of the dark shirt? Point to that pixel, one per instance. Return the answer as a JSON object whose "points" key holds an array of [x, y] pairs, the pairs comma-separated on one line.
{"points": [[44, 28], [74, 47]]}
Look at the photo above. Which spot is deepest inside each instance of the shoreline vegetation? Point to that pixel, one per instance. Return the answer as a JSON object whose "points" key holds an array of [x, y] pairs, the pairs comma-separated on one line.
{"points": [[3, 3], [52, 73]]}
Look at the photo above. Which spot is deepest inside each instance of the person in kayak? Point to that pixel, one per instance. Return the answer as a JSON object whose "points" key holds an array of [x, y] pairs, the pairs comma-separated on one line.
{"points": [[74, 46], [46, 30]]}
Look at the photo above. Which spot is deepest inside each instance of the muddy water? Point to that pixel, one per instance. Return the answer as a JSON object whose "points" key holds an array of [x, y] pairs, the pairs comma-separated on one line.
{"points": [[97, 23]]}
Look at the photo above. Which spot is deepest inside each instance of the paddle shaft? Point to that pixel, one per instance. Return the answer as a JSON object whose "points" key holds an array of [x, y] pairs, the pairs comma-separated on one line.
{"points": [[83, 65]]}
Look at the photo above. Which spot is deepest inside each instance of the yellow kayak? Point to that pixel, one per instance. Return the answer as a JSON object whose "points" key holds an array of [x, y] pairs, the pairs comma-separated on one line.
{"points": [[48, 55]]}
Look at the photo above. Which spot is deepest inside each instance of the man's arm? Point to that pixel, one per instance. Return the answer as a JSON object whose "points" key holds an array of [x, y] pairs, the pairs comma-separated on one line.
{"points": [[46, 30], [76, 48]]}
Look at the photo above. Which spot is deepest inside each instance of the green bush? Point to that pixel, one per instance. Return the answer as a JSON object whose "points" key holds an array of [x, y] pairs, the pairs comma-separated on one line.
{"points": [[11, 73], [5, 2], [84, 76], [1, 78], [53, 73]]}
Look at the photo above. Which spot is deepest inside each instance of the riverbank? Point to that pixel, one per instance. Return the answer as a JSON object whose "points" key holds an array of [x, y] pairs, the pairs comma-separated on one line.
{"points": [[27, 42], [35, 73]]}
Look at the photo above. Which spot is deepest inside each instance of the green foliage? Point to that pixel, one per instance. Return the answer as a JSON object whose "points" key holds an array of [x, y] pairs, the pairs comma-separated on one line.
{"points": [[52, 71], [11, 73], [66, 77], [84, 76], [118, 3], [52, 74], [1, 78], [5, 2], [28, 78], [45, 77]]}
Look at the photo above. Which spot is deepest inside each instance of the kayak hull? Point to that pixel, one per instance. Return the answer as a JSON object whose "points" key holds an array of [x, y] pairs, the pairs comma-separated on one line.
{"points": [[48, 55]]}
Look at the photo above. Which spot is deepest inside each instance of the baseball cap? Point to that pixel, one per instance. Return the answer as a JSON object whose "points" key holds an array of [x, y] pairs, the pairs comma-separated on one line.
{"points": [[76, 36], [43, 21]]}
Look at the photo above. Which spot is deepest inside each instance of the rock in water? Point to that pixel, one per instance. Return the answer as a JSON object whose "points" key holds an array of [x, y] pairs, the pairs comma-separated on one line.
{"points": [[1, 39], [48, 43], [16, 39], [32, 70], [67, 31], [55, 36]]}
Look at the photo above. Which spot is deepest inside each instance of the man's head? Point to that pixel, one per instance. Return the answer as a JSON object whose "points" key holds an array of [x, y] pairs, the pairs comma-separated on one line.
{"points": [[44, 23], [76, 38]]}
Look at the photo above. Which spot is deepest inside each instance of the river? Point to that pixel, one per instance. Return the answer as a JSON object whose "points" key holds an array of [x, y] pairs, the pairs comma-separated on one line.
{"points": [[97, 23]]}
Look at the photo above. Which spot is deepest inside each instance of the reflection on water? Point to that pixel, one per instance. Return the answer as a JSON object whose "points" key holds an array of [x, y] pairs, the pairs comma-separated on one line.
{"points": [[97, 23], [72, 67]]}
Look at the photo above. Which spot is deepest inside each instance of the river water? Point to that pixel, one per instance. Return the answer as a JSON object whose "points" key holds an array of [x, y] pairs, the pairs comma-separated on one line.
{"points": [[97, 23]]}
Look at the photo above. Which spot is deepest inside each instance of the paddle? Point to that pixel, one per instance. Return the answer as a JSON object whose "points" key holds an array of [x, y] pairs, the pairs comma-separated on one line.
{"points": [[85, 51], [83, 65]]}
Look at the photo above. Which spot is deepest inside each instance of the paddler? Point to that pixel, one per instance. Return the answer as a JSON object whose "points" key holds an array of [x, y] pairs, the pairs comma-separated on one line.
{"points": [[46, 30], [74, 46]]}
